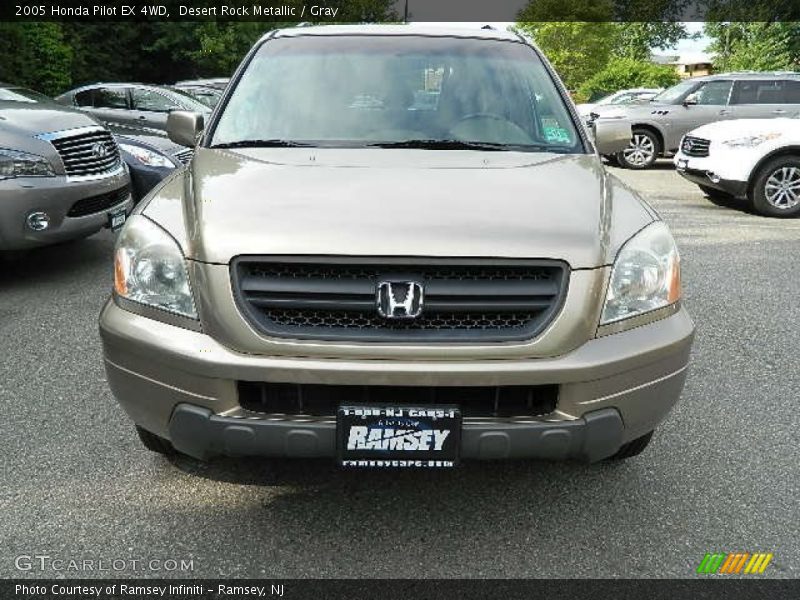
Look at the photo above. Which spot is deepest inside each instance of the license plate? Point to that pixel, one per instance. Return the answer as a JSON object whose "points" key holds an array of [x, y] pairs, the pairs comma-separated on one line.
{"points": [[682, 164], [398, 436], [116, 219]]}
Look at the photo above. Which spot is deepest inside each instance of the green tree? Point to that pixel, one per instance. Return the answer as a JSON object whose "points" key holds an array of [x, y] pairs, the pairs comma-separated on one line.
{"points": [[35, 55], [762, 46], [623, 73]]}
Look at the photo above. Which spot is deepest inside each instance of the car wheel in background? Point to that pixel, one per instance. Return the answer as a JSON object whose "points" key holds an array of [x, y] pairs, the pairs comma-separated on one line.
{"points": [[776, 190], [642, 152]]}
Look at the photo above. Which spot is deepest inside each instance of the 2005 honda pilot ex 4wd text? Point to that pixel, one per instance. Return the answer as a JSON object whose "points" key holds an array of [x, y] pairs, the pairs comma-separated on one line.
{"points": [[396, 246]]}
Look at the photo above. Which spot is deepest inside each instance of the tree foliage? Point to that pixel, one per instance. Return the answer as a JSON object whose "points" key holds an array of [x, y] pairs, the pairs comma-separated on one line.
{"points": [[763, 46], [625, 73]]}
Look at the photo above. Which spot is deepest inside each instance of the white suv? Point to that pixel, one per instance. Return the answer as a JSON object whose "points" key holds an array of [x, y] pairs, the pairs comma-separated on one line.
{"points": [[757, 160]]}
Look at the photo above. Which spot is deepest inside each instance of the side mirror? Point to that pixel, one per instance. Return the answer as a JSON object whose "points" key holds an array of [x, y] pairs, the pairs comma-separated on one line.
{"points": [[183, 127], [611, 135], [690, 100]]}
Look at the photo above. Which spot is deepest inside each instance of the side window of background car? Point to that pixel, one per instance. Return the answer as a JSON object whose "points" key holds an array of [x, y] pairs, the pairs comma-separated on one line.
{"points": [[152, 101], [110, 98], [759, 91], [713, 92], [84, 98]]}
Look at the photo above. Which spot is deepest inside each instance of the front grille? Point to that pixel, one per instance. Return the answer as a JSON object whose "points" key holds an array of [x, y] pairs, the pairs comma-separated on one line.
{"points": [[96, 204], [694, 146], [463, 299], [184, 155], [323, 400], [91, 152]]}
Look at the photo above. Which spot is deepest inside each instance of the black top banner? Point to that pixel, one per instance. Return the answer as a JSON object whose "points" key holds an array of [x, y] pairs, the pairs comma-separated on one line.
{"points": [[330, 11]]}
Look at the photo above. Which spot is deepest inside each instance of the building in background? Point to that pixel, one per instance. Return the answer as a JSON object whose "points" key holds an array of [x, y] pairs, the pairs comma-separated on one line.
{"points": [[689, 64]]}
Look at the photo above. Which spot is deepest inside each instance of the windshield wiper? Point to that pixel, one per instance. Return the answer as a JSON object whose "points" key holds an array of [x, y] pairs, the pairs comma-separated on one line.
{"points": [[463, 145], [441, 145], [271, 143]]}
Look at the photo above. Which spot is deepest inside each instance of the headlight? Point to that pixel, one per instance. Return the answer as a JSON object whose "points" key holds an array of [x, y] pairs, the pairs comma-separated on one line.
{"points": [[751, 141], [147, 157], [14, 163], [646, 275], [149, 268]]}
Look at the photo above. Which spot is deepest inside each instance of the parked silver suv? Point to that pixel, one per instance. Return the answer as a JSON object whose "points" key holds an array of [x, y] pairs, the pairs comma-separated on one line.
{"points": [[659, 125], [134, 108], [61, 176], [395, 246]]}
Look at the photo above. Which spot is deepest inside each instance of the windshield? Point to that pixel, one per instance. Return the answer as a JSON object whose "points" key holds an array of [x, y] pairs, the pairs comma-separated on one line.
{"points": [[401, 91], [676, 93], [22, 95]]}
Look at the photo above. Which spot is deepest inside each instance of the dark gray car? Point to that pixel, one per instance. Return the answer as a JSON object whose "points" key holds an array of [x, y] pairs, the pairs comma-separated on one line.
{"points": [[61, 176], [132, 107], [659, 125]]}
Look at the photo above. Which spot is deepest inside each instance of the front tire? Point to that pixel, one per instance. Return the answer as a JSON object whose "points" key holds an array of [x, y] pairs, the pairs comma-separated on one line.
{"points": [[642, 151], [776, 189]]}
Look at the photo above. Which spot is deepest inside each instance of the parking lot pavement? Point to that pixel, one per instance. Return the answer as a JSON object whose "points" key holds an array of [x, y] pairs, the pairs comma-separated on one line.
{"points": [[721, 475]]}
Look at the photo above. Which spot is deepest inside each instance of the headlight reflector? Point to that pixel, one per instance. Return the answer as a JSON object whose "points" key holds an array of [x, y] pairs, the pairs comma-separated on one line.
{"points": [[149, 268], [14, 163], [646, 275], [149, 158], [751, 141]]}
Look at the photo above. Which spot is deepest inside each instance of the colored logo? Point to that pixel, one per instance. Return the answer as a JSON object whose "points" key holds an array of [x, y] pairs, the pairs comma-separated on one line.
{"points": [[735, 563]]}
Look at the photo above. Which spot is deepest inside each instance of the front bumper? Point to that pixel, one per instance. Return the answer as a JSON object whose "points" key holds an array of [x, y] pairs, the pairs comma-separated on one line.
{"points": [[54, 196], [182, 385], [712, 172], [737, 189]]}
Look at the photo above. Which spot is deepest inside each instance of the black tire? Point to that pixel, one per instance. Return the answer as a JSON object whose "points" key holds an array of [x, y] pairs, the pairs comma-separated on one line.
{"points": [[715, 194], [612, 159], [632, 448], [778, 168], [155, 443], [645, 139]]}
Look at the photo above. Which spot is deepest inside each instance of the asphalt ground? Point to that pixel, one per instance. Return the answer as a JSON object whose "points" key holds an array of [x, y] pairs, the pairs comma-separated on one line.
{"points": [[722, 473]]}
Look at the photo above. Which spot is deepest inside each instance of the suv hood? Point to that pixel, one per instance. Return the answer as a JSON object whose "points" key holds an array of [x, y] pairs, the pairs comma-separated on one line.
{"points": [[24, 118], [394, 202]]}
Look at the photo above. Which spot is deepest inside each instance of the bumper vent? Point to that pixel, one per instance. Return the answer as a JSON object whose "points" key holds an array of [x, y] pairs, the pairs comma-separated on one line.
{"points": [[88, 153], [323, 400], [463, 300], [694, 146], [96, 204]]}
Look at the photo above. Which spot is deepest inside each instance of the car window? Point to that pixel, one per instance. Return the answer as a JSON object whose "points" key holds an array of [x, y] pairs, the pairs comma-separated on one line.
{"points": [[110, 98], [150, 100], [792, 95], [713, 92], [677, 93], [622, 99], [84, 98], [359, 90], [759, 91]]}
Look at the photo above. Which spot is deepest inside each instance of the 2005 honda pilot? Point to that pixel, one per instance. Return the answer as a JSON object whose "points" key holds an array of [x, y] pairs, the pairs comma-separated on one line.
{"points": [[396, 247]]}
